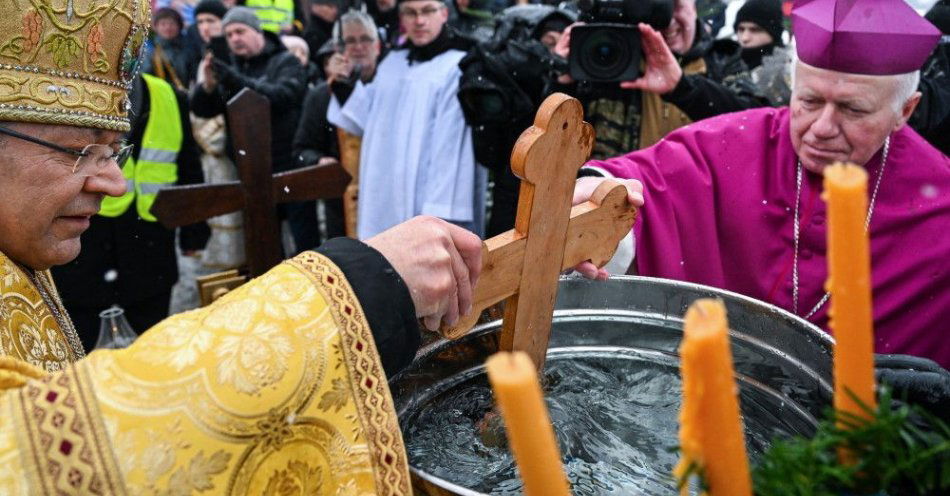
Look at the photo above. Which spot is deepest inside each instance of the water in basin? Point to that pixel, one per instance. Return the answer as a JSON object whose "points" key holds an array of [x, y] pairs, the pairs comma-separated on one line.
{"points": [[615, 412]]}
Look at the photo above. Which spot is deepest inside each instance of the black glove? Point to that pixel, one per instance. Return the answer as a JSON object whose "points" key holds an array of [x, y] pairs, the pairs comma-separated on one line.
{"points": [[918, 381], [228, 76]]}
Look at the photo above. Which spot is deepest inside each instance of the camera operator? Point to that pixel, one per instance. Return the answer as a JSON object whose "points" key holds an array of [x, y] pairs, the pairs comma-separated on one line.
{"points": [[316, 140], [686, 77], [504, 80]]}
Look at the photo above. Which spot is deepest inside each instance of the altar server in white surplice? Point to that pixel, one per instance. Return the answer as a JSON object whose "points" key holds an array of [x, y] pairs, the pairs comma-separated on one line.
{"points": [[417, 156]]}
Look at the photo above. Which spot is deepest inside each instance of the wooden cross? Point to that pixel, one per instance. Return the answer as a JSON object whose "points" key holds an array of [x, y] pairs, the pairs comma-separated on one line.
{"points": [[350, 160], [257, 192], [524, 264]]}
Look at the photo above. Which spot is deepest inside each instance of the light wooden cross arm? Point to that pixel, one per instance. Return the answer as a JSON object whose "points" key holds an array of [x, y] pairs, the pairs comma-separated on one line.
{"points": [[524, 264]]}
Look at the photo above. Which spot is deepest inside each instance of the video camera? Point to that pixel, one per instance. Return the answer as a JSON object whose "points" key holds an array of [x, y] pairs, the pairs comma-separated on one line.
{"points": [[607, 48]]}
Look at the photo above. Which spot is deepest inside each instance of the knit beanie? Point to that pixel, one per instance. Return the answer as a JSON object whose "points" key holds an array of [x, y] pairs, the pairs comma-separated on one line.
{"points": [[767, 14], [213, 7], [243, 15]]}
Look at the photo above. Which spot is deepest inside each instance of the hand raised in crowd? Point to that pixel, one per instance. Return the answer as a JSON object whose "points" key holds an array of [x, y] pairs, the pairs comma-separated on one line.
{"points": [[563, 49], [338, 67], [583, 190], [206, 76], [438, 261], [227, 75], [662, 72]]}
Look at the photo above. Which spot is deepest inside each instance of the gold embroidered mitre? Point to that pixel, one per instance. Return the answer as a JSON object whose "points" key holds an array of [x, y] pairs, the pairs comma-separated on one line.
{"points": [[70, 62]]}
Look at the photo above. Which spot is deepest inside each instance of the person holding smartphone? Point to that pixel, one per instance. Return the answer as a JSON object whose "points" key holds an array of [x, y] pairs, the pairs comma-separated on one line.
{"points": [[259, 61], [357, 51]]}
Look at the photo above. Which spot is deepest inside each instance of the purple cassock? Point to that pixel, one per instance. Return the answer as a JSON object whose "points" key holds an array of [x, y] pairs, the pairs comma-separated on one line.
{"points": [[720, 200]]}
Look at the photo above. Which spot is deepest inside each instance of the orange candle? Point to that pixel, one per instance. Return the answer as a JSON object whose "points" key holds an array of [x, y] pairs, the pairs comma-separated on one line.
{"points": [[849, 281], [711, 433], [514, 380]]}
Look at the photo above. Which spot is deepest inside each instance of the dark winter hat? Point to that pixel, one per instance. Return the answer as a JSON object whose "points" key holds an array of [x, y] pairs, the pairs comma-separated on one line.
{"points": [[939, 16], [767, 14], [554, 23], [243, 15], [168, 13], [213, 7]]}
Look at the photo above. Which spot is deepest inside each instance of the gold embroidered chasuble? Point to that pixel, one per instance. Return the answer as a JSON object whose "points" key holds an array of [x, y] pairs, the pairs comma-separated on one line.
{"points": [[34, 325], [276, 388]]}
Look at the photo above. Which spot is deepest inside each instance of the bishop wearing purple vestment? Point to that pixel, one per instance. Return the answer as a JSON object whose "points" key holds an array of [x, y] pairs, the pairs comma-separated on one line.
{"points": [[734, 201]]}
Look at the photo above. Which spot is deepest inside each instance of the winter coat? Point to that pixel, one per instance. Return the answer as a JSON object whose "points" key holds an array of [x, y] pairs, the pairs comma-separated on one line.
{"points": [[932, 117], [316, 34], [274, 73], [315, 138], [182, 57]]}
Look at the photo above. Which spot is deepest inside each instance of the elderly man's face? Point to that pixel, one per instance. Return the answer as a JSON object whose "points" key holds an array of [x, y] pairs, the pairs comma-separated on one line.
{"points": [[209, 26], [243, 40], [842, 117], [422, 20], [681, 32], [46, 206], [360, 46]]}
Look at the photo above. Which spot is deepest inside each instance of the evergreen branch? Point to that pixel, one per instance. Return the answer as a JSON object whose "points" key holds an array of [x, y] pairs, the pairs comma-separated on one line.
{"points": [[901, 451]]}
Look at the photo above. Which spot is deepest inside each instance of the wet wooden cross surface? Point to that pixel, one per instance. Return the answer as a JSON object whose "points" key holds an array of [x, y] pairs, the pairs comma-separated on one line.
{"points": [[522, 266], [258, 192]]}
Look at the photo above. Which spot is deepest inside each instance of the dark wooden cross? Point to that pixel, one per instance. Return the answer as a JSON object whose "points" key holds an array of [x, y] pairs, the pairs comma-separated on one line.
{"points": [[258, 192]]}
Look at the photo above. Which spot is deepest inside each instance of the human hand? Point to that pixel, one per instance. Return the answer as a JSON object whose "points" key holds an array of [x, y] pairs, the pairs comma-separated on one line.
{"points": [[662, 72], [206, 76], [583, 190], [563, 49], [227, 75], [438, 261], [338, 67]]}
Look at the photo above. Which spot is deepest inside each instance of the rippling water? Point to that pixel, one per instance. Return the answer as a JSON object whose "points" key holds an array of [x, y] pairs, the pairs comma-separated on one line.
{"points": [[615, 415]]}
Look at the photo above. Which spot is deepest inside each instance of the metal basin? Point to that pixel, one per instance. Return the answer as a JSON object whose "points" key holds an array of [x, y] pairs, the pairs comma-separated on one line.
{"points": [[775, 353]]}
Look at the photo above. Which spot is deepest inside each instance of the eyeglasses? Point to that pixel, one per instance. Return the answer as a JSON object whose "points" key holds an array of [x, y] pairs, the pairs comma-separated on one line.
{"points": [[90, 161], [362, 40], [414, 14]]}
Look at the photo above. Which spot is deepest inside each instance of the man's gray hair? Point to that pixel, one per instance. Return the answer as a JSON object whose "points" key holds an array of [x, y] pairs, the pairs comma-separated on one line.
{"points": [[906, 87], [354, 16], [906, 84]]}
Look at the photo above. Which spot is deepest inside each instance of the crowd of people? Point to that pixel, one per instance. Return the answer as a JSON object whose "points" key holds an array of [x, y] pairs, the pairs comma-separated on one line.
{"points": [[399, 74], [281, 385]]}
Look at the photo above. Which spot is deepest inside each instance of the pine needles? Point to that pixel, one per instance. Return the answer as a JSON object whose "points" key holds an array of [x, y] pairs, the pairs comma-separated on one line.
{"points": [[901, 451]]}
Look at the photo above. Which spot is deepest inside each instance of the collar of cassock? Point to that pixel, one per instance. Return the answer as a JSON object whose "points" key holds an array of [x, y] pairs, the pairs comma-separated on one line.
{"points": [[447, 40]]}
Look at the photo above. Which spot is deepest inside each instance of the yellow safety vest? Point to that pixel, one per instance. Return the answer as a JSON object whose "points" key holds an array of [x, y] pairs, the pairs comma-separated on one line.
{"points": [[273, 14], [156, 167]]}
